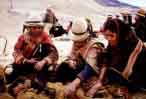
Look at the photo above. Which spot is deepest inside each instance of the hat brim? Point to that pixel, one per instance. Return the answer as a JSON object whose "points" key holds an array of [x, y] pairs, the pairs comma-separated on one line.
{"points": [[78, 37], [34, 24], [139, 14]]}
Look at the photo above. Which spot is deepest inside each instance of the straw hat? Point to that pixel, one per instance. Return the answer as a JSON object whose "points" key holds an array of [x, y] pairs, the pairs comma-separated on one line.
{"points": [[79, 30], [141, 12], [125, 12]]}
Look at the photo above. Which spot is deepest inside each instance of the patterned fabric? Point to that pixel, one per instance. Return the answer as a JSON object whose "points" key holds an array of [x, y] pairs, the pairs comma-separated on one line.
{"points": [[26, 47]]}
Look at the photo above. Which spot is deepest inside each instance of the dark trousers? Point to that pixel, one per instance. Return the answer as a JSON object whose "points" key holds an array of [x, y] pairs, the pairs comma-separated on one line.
{"points": [[27, 70], [66, 74]]}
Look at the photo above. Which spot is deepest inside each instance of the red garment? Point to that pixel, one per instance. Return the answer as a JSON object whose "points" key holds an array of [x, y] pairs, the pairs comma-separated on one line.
{"points": [[25, 45]]}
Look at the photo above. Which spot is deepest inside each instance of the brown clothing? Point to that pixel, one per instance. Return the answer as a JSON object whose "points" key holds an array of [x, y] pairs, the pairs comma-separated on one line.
{"points": [[26, 47]]}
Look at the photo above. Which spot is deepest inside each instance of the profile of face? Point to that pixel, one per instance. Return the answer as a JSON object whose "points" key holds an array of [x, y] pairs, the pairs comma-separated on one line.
{"points": [[35, 31], [111, 37]]}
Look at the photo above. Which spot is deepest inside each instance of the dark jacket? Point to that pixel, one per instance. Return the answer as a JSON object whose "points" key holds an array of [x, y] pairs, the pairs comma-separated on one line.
{"points": [[118, 59], [140, 29], [57, 30]]}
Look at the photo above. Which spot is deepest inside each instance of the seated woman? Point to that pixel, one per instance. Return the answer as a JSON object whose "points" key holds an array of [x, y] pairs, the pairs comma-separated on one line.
{"points": [[126, 56], [94, 66], [33, 53]]}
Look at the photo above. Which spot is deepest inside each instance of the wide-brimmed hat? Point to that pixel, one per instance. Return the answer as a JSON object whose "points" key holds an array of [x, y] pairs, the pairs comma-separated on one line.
{"points": [[33, 24], [141, 12], [99, 40], [125, 13], [34, 20], [79, 30]]}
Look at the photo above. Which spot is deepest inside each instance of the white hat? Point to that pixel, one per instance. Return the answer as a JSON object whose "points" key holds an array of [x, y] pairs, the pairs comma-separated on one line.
{"points": [[34, 20], [79, 30]]}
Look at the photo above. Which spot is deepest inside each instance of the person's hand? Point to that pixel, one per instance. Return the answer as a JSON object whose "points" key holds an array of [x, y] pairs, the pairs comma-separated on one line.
{"points": [[70, 89], [31, 61], [19, 88], [94, 89], [39, 65]]}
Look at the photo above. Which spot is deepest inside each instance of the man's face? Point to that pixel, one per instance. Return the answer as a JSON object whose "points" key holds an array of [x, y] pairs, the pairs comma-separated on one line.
{"points": [[79, 43], [111, 37], [35, 31]]}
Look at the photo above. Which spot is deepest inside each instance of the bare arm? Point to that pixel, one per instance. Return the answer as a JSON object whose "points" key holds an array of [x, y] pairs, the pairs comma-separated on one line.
{"points": [[102, 73], [131, 61]]}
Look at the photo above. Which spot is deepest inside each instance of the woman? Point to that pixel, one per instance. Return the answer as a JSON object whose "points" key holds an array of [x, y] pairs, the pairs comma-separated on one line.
{"points": [[126, 55]]}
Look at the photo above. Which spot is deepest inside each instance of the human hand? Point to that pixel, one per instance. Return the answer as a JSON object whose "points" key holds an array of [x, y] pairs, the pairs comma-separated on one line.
{"points": [[70, 89], [19, 88], [94, 89], [31, 61], [39, 65]]}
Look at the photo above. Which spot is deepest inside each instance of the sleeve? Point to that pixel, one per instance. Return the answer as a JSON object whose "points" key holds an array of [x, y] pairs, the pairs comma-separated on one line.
{"points": [[17, 54], [52, 56], [86, 73]]}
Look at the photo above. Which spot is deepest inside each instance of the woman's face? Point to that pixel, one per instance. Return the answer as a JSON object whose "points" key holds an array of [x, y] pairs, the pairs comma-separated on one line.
{"points": [[111, 37]]}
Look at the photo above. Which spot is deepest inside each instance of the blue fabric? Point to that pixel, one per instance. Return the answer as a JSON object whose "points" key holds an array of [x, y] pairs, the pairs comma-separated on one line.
{"points": [[86, 73]]}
